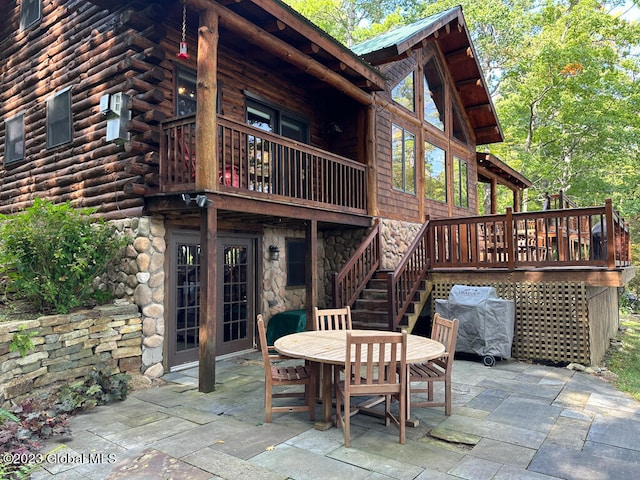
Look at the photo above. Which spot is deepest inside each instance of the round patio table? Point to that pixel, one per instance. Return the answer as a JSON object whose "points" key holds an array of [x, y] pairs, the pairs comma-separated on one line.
{"points": [[329, 347]]}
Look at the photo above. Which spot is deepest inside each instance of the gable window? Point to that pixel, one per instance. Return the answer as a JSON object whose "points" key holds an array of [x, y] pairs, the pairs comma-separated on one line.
{"points": [[296, 267], [434, 107], [403, 93], [186, 100], [14, 139], [403, 145], [59, 118], [459, 127], [460, 183], [435, 173], [30, 12]]}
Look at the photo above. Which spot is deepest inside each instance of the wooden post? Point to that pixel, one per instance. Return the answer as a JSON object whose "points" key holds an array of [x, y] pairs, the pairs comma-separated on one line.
{"points": [[207, 93], [512, 249], [494, 196], [208, 298], [311, 259], [608, 233], [516, 200], [370, 159]]}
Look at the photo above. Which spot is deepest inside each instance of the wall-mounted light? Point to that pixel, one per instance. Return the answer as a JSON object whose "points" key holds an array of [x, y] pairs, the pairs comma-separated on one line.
{"points": [[274, 253], [201, 200]]}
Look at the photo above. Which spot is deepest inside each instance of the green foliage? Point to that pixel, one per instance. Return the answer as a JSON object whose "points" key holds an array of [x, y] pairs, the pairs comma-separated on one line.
{"points": [[99, 388], [625, 361], [52, 255], [21, 341], [21, 431]]}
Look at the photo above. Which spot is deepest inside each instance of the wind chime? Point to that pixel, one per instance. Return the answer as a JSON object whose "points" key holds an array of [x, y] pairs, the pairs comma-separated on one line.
{"points": [[182, 53]]}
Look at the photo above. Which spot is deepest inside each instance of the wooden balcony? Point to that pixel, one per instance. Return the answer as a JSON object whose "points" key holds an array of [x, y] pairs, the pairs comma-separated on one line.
{"points": [[575, 237], [258, 164]]}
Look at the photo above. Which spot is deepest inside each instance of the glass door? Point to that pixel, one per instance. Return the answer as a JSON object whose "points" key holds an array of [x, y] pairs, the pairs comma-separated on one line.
{"points": [[236, 295]]}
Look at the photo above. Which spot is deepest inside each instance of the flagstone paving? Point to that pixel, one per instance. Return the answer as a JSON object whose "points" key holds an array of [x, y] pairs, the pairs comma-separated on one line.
{"points": [[511, 421]]}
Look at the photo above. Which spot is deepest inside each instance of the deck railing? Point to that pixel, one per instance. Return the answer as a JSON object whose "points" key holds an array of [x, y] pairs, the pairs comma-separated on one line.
{"points": [[349, 282], [580, 237], [262, 163], [404, 281]]}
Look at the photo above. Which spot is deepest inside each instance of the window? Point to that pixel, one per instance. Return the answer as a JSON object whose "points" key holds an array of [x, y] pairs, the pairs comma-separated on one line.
{"points": [[404, 159], [459, 127], [435, 173], [59, 118], [272, 119], [434, 107], [403, 93], [186, 92], [296, 266], [14, 139], [460, 183], [30, 12]]}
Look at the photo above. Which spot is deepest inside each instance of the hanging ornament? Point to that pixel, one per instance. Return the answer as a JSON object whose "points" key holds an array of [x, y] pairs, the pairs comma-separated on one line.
{"points": [[182, 53]]}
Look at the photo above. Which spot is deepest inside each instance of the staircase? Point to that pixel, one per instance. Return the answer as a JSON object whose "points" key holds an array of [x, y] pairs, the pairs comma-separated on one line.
{"points": [[371, 309]]}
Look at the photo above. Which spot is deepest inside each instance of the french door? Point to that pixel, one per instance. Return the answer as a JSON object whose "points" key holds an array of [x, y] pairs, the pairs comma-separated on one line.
{"points": [[236, 296]]}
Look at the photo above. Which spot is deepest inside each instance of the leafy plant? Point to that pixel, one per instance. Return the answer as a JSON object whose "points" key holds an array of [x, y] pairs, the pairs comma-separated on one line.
{"points": [[99, 388], [21, 341], [52, 253], [21, 431]]}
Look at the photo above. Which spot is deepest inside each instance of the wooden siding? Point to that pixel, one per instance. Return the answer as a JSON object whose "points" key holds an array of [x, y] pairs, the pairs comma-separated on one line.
{"points": [[404, 206]]}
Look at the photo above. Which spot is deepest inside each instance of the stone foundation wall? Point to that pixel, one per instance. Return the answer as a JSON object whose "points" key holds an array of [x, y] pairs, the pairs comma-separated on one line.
{"points": [[396, 237], [139, 279], [67, 347]]}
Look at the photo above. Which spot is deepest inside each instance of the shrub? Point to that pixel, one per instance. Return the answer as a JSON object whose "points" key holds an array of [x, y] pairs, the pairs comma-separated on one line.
{"points": [[52, 253]]}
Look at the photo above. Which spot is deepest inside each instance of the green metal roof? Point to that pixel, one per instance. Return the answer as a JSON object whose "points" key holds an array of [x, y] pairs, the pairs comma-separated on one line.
{"points": [[400, 35]]}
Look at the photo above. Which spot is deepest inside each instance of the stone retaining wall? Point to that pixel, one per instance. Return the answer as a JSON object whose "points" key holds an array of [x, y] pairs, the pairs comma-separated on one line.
{"points": [[68, 346]]}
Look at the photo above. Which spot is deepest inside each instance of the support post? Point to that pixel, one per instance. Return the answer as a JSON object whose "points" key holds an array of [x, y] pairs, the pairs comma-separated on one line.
{"points": [[207, 93], [311, 259], [208, 298]]}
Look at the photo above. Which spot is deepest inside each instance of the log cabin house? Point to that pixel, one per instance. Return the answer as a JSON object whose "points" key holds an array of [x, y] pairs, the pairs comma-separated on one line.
{"points": [[260, 166]]}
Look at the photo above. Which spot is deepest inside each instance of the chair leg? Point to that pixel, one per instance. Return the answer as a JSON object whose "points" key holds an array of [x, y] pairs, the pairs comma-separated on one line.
{"points": [[267, 404], [347, 421], [447, 398]]}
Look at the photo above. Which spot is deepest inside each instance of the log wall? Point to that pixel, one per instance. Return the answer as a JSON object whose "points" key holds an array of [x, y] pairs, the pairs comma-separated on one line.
{"points": [[94, 51]]}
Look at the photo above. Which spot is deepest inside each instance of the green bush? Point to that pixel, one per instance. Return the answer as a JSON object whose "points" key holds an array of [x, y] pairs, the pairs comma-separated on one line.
{"points": [[51, 254]]}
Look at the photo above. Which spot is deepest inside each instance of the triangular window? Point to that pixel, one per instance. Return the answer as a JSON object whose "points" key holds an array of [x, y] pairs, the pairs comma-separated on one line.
{"points": [[403, 93], [434, 107], [459, 126]]}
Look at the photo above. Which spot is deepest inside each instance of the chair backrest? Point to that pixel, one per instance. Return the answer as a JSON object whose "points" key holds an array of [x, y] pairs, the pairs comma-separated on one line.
{"points": [[446, 332], [332, 318], [372, 361], [262, 334]]}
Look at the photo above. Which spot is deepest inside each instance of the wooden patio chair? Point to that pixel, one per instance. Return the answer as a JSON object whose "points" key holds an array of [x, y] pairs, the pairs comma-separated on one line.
{"points": [[373, 377], [437, 370], [332, 318], [285, 376]]}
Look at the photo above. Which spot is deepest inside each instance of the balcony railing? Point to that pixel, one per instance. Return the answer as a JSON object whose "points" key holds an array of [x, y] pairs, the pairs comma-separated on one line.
{"points": [[578, 237], [261, 163]]}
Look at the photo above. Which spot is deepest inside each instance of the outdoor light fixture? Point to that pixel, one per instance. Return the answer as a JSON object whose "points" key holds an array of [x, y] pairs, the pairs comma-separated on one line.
{"points": [[274, 253], [202, 201]]}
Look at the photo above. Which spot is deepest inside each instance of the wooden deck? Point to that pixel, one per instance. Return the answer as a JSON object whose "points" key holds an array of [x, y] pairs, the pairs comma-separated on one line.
{"points": [[260, 164]]}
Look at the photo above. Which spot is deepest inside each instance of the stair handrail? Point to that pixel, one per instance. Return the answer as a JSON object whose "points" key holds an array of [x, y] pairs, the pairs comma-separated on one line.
{"points": [[404, 281], [351, 280]]}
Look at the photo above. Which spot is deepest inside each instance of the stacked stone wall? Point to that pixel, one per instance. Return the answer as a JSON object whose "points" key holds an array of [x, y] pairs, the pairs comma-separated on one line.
{"points": [[67, 347], [139, 279]]}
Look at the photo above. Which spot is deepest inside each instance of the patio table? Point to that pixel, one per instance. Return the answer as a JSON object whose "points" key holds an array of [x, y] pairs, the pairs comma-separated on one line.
{"points": [[328, 347]]}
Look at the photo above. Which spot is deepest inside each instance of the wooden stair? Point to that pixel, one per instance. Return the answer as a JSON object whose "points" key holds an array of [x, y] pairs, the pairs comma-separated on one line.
{"points": [[371, 310]]}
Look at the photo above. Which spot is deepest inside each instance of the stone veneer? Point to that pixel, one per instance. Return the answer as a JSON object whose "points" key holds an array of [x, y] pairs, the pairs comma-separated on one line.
{"points": [[67, 347], [139, 279]]}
